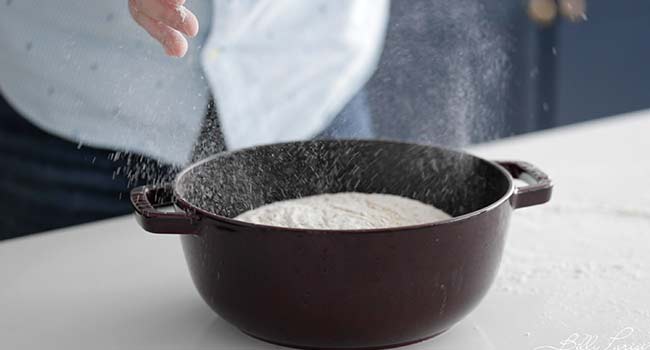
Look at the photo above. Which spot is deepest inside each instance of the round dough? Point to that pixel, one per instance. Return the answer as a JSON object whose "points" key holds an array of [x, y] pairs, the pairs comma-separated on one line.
{"points": [[345, 211]]}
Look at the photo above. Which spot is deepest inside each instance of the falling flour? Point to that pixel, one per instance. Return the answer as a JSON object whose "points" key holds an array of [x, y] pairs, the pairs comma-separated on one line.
{"points": [[345, 211]]}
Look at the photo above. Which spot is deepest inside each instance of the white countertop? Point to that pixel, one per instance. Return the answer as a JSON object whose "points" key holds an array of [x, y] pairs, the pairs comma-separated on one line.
{"points": [[580, 264]]}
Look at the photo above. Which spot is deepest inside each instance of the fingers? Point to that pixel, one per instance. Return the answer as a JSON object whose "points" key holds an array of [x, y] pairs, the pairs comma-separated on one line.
{"points": [[542, 11], [575, 10], [175, 2], [171, 39], [165, 20], [546, 11], [171, 13]]}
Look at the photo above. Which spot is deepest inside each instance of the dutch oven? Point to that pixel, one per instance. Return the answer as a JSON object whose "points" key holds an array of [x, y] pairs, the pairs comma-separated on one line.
{"points": [[342, 289]]}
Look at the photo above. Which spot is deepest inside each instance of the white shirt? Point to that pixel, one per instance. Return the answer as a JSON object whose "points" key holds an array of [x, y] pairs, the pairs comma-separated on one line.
{"points": [[279, 70]]}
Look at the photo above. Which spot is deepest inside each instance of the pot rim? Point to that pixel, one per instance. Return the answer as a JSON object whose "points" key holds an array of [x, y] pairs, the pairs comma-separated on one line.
{"points": [[186, 205]]}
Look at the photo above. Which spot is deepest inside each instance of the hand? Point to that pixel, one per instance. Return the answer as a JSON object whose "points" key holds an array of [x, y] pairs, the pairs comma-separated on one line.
{"points": [[166, 21], [545, 11]]}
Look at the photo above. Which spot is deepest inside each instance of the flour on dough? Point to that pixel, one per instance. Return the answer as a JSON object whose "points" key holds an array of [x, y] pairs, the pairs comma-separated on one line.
{"points": [[345, 211]]}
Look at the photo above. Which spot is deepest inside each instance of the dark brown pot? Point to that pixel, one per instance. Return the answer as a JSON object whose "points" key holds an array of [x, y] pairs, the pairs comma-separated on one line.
{"points": [[342, 289]]}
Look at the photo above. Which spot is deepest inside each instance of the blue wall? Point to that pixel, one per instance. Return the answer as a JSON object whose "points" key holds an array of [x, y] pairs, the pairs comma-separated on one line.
{"points": [[603, 65]]}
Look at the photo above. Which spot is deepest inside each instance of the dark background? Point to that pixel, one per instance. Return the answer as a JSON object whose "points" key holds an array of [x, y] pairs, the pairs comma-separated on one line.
{"points": [[604, 64], [555, 75]]}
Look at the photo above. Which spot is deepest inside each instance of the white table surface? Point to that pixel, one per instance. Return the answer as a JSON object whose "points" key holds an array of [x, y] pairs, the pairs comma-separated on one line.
{"points": [[579, 265]]}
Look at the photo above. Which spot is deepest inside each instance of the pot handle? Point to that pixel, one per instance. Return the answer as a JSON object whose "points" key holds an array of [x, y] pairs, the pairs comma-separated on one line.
{"points": [[539, 187], [146, 200]]}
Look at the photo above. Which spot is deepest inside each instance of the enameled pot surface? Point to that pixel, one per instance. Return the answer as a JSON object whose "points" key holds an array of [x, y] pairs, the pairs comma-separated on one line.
{"points": [[342, 289]]}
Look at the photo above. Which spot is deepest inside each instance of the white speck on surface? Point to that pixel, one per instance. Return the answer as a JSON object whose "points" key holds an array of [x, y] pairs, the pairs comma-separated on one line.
{"points": [[565, 253]]}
